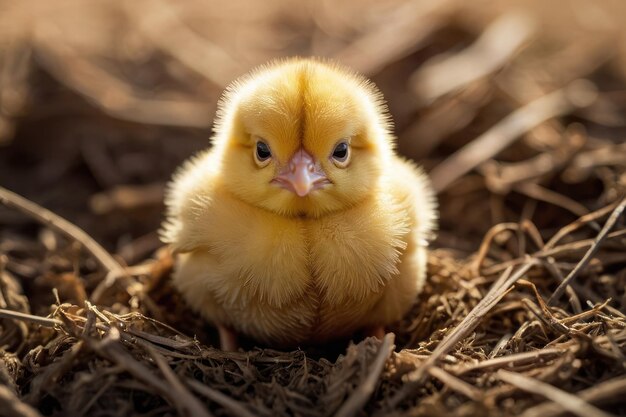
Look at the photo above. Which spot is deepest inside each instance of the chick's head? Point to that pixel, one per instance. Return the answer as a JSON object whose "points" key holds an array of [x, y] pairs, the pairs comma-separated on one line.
{"points": [[302, 138]]}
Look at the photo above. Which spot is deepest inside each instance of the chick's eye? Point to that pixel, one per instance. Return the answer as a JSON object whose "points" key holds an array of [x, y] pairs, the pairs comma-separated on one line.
{"points": [[340, 153], [262, 151]]}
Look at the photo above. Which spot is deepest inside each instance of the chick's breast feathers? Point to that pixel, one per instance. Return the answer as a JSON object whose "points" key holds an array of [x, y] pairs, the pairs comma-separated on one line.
{"points": [[288, 269]]}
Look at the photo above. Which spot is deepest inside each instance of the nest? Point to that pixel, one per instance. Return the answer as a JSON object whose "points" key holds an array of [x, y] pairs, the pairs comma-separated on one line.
{"points": [[518, 119]]}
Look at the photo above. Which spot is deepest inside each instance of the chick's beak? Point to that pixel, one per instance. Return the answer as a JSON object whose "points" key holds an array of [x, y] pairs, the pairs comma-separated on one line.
{"points": [[301, 175]]}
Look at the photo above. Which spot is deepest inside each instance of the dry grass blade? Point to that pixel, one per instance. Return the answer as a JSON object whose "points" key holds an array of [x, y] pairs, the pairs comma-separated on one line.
{"points": [[48, 218], [504, 133], [224, 400], [12, 406], [112, 350], [184, 399], [199, 55], [569, 402], [16, 315], [508, 361], [540, 193], [549, 249], [611, 389], [493, 49], [114, 96], [587, 219], [362, 394], [456, 384], [413, 22], [486, 243], [497, 291], [592, 250]]}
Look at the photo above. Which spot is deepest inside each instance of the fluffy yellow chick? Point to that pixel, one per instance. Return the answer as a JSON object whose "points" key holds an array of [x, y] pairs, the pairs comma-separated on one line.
{"points": [[300, 224]]}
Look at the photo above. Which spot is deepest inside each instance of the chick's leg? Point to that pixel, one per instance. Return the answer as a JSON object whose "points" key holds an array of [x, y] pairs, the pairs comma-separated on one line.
{"points": [[228, 339]]}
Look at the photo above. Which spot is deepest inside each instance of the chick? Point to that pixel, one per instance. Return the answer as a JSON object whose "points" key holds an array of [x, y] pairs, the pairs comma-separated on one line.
{"points": [[300, 224]]}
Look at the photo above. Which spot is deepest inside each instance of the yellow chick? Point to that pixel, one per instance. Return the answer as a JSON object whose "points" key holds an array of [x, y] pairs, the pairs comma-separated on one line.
{"points": [[300, 224]]}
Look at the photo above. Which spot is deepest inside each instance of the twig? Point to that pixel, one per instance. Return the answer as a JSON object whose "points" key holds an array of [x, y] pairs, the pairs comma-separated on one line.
{"points": [[114, 96], [497, 44], [569, 402], [549, 264], [199, 54], [48, 218], [456, 384], [183, 397], [413, 21], [160, 340], [613, 388], [500, 345], [502, 176], [590, 252], [363, 392], [504, 133], [112, 350], [515, 359], [585, 162], [545, 319], [55, 371], [127, 197], [442, 120], [469, 323], [95, 397], [225, 401], [546, 252], [16, 315], [540, 193], [580, 222], [584, 314], [486, 243], [12, 406]]}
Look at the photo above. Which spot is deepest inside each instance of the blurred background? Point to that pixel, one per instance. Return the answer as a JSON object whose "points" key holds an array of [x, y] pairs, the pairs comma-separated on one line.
{"points": [[517, 108]]}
